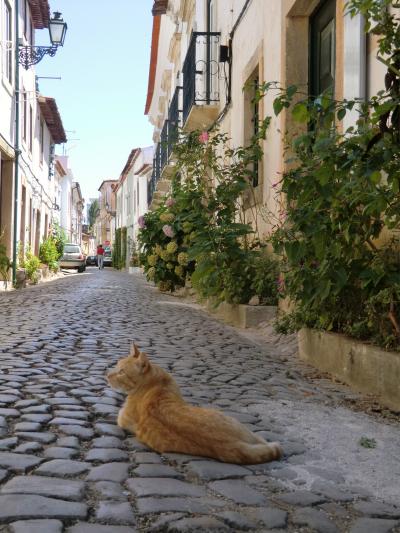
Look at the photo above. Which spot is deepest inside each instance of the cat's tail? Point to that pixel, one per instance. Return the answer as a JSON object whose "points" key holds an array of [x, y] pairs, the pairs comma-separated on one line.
{"points": [[251, 454]]}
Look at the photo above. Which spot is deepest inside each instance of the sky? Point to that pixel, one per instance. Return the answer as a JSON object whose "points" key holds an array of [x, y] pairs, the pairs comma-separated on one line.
{"points": [[104, 67]]}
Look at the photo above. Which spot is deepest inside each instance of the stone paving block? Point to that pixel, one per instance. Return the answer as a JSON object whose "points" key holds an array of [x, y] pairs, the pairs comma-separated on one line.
{"points": [[300, 497], [155, 470], [45, 486], [36, 526], [104, 409], [17, 462], [7, 444], [115, 513], [62, 421], [377, 509], [237, 521], [77, 431], [71, 414], [109, 429], [107, 442], [238, 491], [84, 527], [148, 457], [28, 447], [133, 444], [108, 490], [201, 523], [209, 470], [269, 517], [56, 452], [43, 437], [27, 426], [314, 519], [43, 408], [117, 472], [63, 467], [9, 412], [3, 474], [68, 442], [14, 507], [161, 523], [163, 487], [332, 492], [373, 525], [164, 505], [39, 418], [106, 455]]}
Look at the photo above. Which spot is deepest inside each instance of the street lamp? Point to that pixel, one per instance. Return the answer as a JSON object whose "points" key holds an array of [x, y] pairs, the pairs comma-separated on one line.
{"points": [[31, 55]]}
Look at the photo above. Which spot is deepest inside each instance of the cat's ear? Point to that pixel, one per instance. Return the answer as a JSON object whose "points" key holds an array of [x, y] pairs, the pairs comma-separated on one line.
{"points": [[134, 350], [143, 362]]}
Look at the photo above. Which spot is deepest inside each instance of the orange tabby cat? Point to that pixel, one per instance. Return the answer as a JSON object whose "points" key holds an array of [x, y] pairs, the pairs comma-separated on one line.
{"points": [[156, 412]]}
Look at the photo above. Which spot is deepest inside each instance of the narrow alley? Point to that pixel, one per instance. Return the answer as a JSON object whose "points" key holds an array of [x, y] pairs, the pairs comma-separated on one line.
{"points": [[65, 466]]}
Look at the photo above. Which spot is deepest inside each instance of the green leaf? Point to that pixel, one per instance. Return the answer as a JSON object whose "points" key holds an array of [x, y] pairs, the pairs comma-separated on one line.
{"points": [[341, 114], [300, 113], [278, 106], [375, 177]]}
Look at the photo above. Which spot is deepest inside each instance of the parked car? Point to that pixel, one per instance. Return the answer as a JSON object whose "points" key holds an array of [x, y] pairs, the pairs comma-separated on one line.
{"points": [[91, 260], [107, 261], [73, 257]]}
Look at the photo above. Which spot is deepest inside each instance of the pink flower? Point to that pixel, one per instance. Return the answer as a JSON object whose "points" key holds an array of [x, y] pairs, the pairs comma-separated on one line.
{"points": [[203, 137], [168, 231], [170, 202], [141, 222]]}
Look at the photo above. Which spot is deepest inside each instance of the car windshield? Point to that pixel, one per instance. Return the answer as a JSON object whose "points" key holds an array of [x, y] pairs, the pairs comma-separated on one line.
{"points": [[71, 249]]}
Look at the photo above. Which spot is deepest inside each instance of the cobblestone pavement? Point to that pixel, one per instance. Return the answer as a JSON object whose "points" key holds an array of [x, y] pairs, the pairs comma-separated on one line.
{"points": [[66, 466]]}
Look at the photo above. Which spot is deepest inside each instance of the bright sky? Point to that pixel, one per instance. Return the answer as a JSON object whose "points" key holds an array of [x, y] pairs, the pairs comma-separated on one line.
{"points": [[101, 97]]}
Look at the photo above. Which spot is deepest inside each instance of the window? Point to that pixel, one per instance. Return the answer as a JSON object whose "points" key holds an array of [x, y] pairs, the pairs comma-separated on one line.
{"points": [[24, 115], [30, 128], [322, 48], [251, 120], [41, 141], [8, 45]]}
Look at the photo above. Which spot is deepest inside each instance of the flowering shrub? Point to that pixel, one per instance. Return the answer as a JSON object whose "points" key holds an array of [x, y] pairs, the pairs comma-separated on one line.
{"points": [[162, 247], [201, 231]]}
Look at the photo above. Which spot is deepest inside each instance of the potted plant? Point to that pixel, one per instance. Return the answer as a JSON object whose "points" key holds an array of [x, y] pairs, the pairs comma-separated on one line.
{"points": [[134, 260]]}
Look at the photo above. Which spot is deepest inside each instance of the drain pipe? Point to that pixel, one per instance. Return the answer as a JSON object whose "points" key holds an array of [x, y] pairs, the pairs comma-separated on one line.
{"points": [[16, 144], [230, 47]]}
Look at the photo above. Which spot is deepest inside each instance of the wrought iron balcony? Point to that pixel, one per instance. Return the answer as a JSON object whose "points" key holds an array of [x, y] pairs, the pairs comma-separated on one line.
{"points": [[174, 119], [201, 72], [155, 175], [164, 148]]}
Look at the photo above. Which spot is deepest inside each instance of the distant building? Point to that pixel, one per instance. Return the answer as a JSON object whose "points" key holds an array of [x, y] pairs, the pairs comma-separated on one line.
{"points": [[131, 193], [105, 221]]}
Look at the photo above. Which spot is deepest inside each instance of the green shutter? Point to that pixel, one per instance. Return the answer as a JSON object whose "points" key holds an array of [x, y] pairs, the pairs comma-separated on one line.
{"points": [[322, 48]]}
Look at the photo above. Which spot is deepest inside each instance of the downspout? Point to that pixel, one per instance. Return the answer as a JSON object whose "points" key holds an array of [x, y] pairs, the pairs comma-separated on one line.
{"points": [[230, 46], [16, 144]]}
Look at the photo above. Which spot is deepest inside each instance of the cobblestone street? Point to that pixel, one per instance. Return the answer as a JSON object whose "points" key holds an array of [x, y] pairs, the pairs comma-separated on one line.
{"points": [[65, 466]]}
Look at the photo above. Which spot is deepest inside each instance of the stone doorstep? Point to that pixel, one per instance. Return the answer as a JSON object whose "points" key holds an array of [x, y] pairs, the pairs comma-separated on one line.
{"points": [[241, 315], [365, 367]]}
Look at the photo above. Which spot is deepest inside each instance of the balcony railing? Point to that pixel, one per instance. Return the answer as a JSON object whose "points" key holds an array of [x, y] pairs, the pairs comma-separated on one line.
{"points": [[174, 119], [164, 145], [155, 175], [201, 72]]}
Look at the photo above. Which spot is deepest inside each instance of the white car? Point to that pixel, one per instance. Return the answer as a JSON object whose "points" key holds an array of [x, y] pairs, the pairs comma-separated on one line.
{"points": [[73, 257]]}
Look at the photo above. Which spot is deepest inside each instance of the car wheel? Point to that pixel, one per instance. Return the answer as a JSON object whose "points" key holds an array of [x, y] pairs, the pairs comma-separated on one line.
{"points": [[81, 269]]}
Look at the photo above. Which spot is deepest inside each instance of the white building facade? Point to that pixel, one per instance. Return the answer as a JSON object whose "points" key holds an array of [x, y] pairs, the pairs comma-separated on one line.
{"points": [[27, 190], [204, 52], [131, 193]]}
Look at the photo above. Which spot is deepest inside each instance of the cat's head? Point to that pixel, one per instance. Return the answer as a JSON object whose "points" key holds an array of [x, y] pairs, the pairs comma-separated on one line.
{"points": [[130, 372]]}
